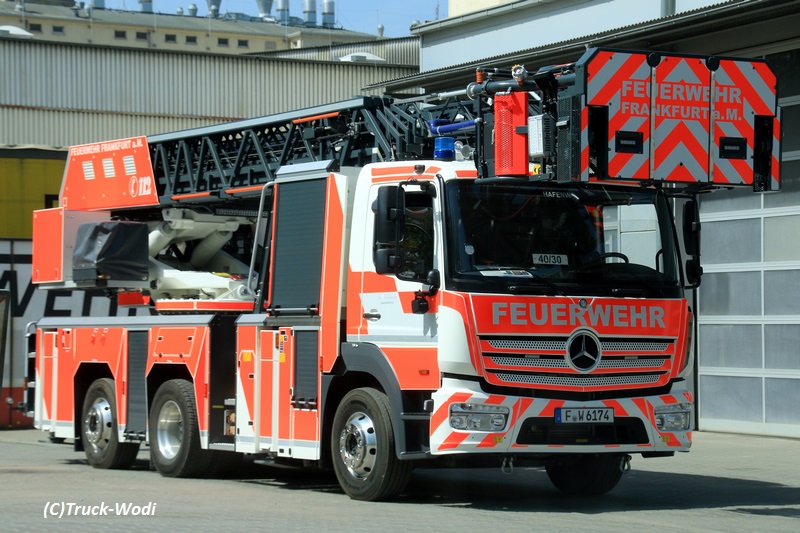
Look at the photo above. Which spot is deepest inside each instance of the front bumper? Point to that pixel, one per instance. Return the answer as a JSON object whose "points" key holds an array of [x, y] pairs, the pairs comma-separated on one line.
{"points": [[532, 425]]}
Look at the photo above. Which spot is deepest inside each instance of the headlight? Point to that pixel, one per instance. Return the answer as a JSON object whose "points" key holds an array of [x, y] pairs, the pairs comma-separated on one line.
{"points": [[478, 417], [675, 417]]}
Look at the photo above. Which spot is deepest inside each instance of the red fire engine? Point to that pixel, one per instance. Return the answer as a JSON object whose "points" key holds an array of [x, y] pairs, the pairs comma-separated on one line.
{"points": [[490, 276]]}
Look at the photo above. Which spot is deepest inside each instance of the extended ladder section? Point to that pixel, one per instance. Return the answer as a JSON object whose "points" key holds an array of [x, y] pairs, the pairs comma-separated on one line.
{"points": [[234, 159]]}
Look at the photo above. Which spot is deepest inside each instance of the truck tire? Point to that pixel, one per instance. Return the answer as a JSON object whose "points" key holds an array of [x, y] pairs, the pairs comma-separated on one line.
{"points": [[174, 435], [586, 474], [362, 447], [99, 434]]}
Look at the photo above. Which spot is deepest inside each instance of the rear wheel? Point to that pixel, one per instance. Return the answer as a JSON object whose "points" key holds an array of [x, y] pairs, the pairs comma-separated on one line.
{"points": [[174, 435], [362, 446], [587, 475], [99, 433]]}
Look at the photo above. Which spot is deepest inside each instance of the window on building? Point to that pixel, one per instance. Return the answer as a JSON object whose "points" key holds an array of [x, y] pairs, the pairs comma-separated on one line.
{"points": [[35, 28], [222, 41], [243, 43], [120, 34], [58, 30], [170, 38], [191, 39], [141, 35]]}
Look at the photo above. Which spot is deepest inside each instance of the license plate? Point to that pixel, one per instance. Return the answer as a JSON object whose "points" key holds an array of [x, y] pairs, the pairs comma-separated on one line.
{"points": [[584, 415]]}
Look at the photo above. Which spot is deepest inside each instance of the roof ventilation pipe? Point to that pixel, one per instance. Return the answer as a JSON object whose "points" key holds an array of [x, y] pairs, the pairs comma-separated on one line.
{"points": [[264, 8], [213, 7], [145, 6], [192, 10], [328, 14], [283, 12], [310, 13]]}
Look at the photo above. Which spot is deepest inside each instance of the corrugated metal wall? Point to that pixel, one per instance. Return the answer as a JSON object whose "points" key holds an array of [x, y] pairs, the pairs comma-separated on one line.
{"points": [[401, 51], [59, 95]]}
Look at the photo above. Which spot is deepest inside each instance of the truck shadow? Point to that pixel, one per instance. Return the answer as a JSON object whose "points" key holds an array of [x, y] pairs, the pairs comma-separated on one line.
{"points": [[529, 490]]}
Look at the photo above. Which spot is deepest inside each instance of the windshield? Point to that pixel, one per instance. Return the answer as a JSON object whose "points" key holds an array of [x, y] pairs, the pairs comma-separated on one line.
{"points": [[570, 239]]}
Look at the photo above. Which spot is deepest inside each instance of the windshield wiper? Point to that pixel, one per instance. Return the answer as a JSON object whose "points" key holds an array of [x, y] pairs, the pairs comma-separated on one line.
{"points": [[539, 280]]}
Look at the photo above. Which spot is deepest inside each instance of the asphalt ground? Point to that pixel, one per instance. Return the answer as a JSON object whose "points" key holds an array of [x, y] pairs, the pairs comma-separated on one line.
{"points": [[727, 483]]}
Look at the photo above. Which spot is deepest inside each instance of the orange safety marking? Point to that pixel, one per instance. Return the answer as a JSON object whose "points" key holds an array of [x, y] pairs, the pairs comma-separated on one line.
{"points": [[305, 425], [48, 245], [202, 305], [584, 170], [453, 440], [460, 304], [550, 409], [466, 173], [403, 177], [374, 282], [132, 298], [356, 323], [266, 391], [681, 135], [624, 72], [315, 117], [273, 225], [247, 355], [404, 171], [646, 409], [285, 368], [189, 196], [415, 368], [618, 409], [241, 190], [331, 273], [669, 399]]}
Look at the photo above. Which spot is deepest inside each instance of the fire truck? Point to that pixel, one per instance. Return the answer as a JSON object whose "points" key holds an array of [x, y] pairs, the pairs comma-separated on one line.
{"points": [[493, 276]]}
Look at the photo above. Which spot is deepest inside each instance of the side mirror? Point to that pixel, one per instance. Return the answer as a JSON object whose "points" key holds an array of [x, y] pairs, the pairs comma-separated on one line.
{"points": [[693, 272], [434, 281], [691, 228], [388, 229], [691, 242]]}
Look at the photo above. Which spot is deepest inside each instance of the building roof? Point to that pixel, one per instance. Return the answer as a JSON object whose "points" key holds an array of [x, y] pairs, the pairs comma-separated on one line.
{"points": [[226, 23], [734, 25]]}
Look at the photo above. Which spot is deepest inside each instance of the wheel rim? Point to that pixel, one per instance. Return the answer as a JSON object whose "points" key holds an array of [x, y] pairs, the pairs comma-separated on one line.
{"points": [[98, 424], [169, 430], [358, 445]]}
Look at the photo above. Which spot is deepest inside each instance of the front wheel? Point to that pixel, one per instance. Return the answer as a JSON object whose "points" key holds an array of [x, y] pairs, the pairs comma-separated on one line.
{"points": [[174, 435], [587, 475], [362, 446], [99, 432]]}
